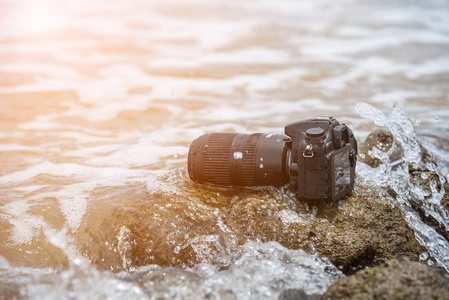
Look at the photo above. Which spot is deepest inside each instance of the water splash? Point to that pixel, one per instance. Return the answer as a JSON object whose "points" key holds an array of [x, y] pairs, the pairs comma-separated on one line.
{"points": [[80, 280], [396, 173], [263, 271], [260, 271]]}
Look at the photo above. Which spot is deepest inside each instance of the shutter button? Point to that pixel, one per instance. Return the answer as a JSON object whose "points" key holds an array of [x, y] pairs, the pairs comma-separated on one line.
{"points": [[315, 132]]}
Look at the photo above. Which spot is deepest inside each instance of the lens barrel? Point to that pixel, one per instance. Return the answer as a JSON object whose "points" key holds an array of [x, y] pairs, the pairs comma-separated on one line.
{"points": [[235, 159]]}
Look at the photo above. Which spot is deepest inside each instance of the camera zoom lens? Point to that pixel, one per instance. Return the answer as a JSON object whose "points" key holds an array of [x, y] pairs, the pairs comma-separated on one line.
{"points": [[235, 159]]}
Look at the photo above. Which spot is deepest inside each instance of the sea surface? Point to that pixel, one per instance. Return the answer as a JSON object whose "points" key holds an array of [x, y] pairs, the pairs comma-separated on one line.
{"points": [[100, 100]]}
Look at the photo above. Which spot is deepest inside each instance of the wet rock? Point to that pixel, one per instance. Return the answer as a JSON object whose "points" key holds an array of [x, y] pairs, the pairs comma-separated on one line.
{"points": [[366, 231], [193, 223], [424, 188], [292, 294], [429, 190], [166, 231], [426, 181], [445, 200], [178, 223], [395, 279]]}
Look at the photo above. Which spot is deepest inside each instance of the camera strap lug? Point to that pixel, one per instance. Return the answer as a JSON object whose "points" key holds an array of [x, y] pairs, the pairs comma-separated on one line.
{"points": [[308, 152]]}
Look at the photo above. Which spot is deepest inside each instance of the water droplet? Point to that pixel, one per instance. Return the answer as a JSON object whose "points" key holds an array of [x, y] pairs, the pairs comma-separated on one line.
{"points": [[436, 118], [238, 155], [177, 249], [261, 166], [261, 159], [423, 256]]}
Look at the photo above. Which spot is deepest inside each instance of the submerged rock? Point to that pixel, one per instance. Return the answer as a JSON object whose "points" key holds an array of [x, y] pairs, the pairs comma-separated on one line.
{"points": [[395, 279]]}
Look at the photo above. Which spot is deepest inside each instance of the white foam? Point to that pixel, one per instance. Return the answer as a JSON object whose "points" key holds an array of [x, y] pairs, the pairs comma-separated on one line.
{"points": [[264, 270], [398, 96], [354, 31], [25, 225], [29, 188], [53, 70], [69, 170], [17, 147], [288, 216], [435, 66], [73, 203], [95, 150], [270, 109], [39, 125], [137, 155], [250, 55], [427, 37]]}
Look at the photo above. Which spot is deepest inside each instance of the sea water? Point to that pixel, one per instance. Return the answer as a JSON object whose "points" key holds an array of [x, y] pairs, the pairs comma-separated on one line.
{"points": [[99, 102]]}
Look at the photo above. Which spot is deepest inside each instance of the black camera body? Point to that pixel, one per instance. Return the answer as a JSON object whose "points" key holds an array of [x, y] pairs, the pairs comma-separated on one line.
{"points": [[316, 156], [324, 155]]}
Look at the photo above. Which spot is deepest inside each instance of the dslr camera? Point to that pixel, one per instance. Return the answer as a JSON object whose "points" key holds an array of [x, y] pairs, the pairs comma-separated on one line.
{"points": [[316, 156]]}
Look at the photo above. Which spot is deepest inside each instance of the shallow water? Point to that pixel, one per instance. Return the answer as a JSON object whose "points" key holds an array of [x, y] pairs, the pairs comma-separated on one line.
{"points": [[99, 102]]}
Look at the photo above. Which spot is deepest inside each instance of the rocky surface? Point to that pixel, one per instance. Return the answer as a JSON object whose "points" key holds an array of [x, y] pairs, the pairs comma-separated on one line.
{"points": [[180, 224], [367, 230], [402, 279], [380, 143], [395, 279], [208, 224]]}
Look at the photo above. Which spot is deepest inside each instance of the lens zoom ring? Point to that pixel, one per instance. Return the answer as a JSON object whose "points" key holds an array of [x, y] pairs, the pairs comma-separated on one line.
{"points": [[216, 159]]}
